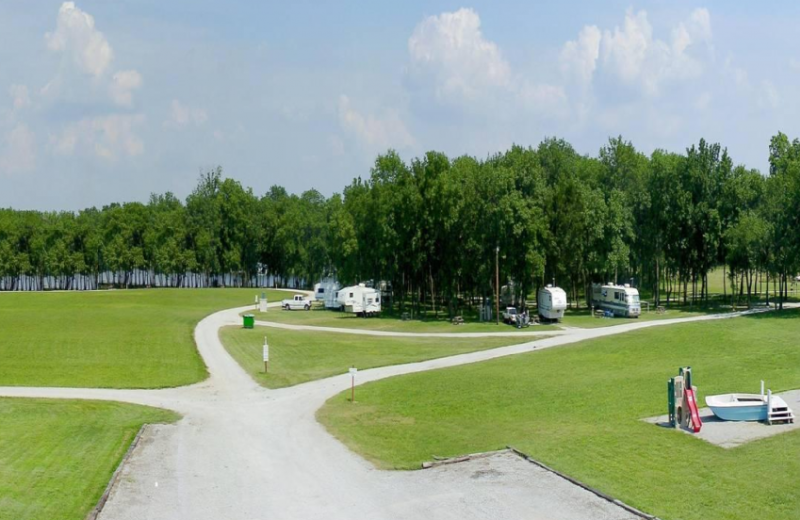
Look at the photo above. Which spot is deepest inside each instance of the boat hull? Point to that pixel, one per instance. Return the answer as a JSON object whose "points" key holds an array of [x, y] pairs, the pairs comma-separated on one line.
{"points": [[738, 407], [741, 413]]}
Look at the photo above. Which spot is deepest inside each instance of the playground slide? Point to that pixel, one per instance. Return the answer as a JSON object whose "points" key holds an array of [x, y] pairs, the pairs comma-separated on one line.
{"points": [[692, 402]]}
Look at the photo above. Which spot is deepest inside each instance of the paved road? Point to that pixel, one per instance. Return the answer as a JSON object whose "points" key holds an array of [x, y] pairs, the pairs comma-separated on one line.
{"points": [[245, 452]]}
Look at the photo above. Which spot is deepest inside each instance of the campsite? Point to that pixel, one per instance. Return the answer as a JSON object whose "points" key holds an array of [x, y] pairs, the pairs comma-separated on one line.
{"points": [[399, 261]]}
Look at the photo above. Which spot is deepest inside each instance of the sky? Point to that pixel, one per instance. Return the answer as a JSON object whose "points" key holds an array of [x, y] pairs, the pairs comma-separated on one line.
{"points": [[106, 102]]}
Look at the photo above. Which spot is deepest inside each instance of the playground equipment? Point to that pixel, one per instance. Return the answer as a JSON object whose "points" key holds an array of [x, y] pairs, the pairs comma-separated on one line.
{"points": [[682, 401]]}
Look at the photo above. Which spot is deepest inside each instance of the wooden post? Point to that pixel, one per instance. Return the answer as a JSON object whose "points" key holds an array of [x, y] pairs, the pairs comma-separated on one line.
{"points": [[353, 371], [266, 356], [497, 285]]}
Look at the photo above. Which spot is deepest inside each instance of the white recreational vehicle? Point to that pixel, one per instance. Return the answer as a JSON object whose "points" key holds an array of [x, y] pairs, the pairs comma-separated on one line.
{"points": [[622, 300], [359, 300], [326, 291], [552, 302]]}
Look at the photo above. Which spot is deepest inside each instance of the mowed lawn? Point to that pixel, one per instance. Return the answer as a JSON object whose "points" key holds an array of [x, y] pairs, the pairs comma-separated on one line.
{"points": [[117, 339], [584, 319], [56, 457], [581, 318], [320, 317], [579, 409], [297, 357]]}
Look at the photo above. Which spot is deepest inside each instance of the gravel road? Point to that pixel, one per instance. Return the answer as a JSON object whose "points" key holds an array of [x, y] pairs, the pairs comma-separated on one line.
{"points": [[245, 452]]}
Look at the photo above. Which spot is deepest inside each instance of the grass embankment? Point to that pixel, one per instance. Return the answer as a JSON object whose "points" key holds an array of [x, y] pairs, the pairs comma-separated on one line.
{"points": [[119, 339], [56, 457], [297, 357], [579, 410]]}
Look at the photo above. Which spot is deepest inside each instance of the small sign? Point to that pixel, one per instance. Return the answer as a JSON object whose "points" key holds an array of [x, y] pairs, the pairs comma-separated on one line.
{"points": [[353, 371], [266, 352]]}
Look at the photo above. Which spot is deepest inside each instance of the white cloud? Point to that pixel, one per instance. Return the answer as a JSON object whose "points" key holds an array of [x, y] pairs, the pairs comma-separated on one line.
{"points": [[122, 85], [19, 153], [336, 145], [107, 137], [768, 95], [450, 50], [374, 133], [579, 57], [635, 57], [78, 39], [450, 57], [181, 115], [87, 58], [547, 100], [703, 101], [20, 95]]}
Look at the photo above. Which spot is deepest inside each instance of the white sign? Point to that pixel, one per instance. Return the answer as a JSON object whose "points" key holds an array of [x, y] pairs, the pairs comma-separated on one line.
{"points": [[353, 371], [266, 352]]}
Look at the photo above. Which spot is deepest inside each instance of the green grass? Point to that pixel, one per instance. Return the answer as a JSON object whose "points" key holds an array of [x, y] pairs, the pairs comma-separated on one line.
{"points": [[56, 457], [297, 357], [320, 317], [579, 409], [581, 318], [118, 339]]}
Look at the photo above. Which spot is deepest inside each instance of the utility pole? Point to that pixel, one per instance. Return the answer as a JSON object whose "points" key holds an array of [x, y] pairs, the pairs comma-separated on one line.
{"points": [[497, 285]]}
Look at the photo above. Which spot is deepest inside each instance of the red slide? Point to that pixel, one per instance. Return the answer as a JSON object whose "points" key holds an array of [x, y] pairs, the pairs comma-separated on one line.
{"points": [[696, 422]]}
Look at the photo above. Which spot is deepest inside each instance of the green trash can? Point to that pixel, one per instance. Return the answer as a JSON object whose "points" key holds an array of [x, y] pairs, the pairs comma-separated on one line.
{"points": [[249, 321]]}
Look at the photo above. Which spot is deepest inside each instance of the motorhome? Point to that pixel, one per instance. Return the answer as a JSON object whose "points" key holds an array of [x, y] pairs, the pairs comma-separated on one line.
{"points": [[552, 302], [326, 291], [622, 300], [359, 300]]}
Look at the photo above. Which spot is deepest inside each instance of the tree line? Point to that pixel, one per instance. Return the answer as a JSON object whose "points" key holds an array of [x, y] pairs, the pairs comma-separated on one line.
{"points": [[434, 227]]}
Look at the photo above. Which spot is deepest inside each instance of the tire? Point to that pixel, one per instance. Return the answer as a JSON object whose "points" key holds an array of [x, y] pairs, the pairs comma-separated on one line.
{"points": [[286, 307], [308, 307]]}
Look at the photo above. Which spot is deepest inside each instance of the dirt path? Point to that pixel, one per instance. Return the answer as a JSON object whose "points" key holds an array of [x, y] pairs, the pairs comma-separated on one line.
{"points": [[245, 452]]}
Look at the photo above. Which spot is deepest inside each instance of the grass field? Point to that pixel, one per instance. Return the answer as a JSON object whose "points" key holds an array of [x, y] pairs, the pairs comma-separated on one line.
{"points": [[574, 318], [56, 457], [579, 409], [583, 318], [320, 317], [119, 339], [297, 357]]}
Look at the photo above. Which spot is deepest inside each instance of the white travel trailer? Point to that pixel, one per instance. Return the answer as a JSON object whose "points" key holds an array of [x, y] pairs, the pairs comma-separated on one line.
{"points": [[552, 302], [622, 300], [359, 300], [326, 291]]}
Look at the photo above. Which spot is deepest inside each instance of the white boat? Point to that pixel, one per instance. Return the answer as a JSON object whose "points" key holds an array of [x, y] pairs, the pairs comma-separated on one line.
{"points": [[739, 407], [750, 407]]}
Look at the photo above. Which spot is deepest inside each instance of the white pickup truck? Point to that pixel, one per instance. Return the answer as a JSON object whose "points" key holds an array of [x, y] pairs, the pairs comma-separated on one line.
{"points": [[299, 302]]}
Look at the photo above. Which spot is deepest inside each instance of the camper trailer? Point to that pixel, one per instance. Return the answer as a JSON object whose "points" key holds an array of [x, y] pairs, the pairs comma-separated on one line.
{"points": [[622, 300], [552, 302], [326, 291], [359, 300]]}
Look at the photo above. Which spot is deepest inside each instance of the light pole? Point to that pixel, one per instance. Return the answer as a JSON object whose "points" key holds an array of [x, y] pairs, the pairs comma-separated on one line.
{"points": [[497, 285]]}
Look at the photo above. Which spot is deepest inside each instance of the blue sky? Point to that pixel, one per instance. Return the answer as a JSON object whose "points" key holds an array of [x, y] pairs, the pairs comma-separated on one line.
{"points": [[111, 101]]}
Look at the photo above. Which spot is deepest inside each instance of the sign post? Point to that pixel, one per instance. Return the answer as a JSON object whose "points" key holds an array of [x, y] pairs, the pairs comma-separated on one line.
{"points": [[266, 356], [262, 303], [353, 371]]}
